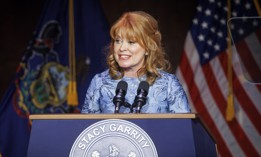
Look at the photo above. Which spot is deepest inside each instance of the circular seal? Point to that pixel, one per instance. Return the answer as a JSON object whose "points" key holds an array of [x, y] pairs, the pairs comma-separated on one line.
{"points": [[113, 138]]}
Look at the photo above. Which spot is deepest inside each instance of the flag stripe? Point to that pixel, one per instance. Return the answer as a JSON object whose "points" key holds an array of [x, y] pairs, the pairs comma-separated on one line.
{"points": [[200, 108], [242, 96], [241, 119], [252, 89], [248, 127], [188, 74], [254, 44], [246, 104], [204, 72], [247, 146], [219, 99], [239, 91]]}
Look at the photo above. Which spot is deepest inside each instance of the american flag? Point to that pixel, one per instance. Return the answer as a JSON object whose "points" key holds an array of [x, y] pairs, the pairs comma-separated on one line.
{"points": [[203, 73]]}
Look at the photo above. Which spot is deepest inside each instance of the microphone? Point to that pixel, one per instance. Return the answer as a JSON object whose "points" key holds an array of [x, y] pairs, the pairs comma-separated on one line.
{"points": [[141, 96], [119, 98]]}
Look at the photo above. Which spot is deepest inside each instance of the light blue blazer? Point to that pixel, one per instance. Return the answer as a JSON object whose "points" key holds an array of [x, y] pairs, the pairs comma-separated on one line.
{"points": [[166, 95]]}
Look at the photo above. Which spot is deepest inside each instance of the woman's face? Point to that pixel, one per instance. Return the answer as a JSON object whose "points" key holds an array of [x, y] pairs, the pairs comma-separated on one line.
{"points": [[128, 54]]}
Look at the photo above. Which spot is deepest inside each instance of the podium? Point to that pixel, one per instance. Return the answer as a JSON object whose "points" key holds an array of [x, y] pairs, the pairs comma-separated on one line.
{"points": [[173, 135]]}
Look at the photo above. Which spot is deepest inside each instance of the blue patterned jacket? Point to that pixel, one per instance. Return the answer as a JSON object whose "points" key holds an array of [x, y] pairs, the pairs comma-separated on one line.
{"points": [[166, 95]]}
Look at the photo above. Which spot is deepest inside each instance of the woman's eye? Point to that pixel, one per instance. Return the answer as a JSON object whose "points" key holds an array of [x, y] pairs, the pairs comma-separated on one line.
{"points": [[132, 42], [117, 41]]}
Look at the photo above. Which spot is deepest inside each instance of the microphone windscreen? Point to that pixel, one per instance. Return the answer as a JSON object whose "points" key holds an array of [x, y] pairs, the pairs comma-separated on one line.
{"points": [[122, 85], [144, 85]]}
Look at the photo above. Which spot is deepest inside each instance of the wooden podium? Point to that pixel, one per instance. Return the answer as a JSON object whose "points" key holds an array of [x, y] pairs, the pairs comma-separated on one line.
{"points": [[174, 135]]}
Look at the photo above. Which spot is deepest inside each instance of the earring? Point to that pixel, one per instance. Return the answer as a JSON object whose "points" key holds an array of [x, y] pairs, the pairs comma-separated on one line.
{"points": [[146, 54]]}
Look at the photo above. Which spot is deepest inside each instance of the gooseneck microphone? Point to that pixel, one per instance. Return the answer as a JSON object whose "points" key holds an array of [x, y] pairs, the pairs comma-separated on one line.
{"points": [[141, 96], [119, 98]]}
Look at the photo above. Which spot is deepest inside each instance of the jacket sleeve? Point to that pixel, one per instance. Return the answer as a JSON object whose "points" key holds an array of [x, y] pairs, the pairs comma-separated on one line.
{"points": [[177, 98], [91, 102]]}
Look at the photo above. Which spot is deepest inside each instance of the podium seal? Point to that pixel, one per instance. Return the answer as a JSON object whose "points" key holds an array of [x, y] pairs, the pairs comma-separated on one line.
{"points": [[113, 138]]}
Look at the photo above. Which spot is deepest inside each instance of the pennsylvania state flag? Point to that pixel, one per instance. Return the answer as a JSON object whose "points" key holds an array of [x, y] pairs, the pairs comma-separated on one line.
{"points": [[41, 81]]}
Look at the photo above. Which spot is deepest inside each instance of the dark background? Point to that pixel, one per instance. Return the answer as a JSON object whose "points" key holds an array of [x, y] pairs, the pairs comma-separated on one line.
{"points": [[20, 17]]}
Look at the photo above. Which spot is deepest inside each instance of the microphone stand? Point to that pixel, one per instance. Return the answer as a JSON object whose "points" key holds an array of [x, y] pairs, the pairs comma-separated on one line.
{"points": [[127, 105]]}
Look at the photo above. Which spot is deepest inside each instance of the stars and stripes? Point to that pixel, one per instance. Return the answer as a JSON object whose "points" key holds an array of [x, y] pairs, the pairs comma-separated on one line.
{"points": [[203, 72]]}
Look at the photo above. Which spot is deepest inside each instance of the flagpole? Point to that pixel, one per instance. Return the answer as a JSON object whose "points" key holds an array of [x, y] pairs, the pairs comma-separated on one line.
{"points": [[230, 110], [72, 98], [257, 5]]}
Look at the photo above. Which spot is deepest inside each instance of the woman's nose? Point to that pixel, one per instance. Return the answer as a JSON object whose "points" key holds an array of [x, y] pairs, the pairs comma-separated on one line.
{"points": [[123, 46]]}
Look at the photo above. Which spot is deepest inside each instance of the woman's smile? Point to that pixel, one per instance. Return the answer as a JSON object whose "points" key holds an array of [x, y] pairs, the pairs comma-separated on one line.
{"points": [[124, 56]]}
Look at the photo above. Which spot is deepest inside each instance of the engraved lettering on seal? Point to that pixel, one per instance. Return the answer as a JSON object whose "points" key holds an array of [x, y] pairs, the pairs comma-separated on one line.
{"points": [[113, 138]]}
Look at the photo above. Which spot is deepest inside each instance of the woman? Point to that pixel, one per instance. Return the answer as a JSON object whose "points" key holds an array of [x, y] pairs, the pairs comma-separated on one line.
{"points": [[136, 55]]}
